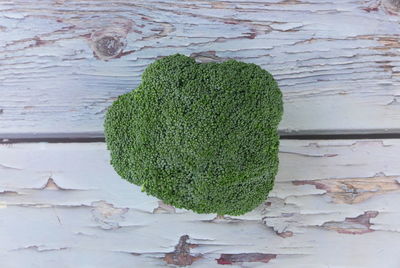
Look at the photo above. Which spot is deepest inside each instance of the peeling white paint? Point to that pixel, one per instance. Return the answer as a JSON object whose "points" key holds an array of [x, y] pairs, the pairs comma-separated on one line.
{"points": [[85, 213]]}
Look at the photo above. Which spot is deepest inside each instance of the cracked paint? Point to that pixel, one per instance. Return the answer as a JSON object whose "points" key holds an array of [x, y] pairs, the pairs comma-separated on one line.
{"points": [[110, 221]]}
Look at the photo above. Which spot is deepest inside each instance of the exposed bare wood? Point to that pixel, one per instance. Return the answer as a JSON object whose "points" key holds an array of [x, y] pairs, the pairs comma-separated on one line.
{"points": [[357, 225], [62, 63], [181, 255], [355, 190], [245, 257], [64, 202]]}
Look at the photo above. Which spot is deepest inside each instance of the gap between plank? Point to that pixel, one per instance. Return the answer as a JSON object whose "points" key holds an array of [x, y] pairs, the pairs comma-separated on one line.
{"points": [[99, 137]]}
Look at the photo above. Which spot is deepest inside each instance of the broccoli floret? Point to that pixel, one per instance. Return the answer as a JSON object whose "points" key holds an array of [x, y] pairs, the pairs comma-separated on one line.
{"points": [[200, 136]]}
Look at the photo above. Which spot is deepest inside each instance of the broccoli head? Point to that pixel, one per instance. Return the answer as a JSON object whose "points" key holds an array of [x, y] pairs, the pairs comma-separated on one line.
{"points": [[200, 136]]}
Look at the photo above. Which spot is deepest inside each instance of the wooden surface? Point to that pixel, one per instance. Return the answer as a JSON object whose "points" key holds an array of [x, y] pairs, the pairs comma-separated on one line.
{"points": [[335, 204], [63, 62]]}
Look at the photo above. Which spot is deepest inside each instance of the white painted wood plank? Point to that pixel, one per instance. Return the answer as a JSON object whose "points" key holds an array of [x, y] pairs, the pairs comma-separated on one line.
{"points": [[335, 204], [62, 63]]}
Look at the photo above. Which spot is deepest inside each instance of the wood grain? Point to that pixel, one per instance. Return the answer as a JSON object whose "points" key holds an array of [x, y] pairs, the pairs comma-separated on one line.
{"points": [[335, 204], [63, 62]]}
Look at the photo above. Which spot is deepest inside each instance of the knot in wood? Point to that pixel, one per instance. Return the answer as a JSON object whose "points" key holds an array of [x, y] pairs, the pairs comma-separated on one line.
{"points": [[108, 46]]}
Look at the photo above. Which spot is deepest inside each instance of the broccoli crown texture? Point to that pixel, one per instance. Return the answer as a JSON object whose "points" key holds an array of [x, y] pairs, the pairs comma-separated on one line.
{"points": [[200, 136]]}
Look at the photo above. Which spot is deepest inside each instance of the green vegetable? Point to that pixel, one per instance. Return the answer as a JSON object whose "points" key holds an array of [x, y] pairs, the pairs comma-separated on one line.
{"points": [[200, 136]]}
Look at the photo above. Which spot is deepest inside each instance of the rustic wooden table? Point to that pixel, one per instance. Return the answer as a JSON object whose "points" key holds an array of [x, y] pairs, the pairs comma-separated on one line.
{"points": [[62, 63]]}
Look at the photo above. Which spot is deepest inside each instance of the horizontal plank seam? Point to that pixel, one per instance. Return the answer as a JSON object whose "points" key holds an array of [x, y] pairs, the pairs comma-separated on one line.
{"points": [[93, 137]]}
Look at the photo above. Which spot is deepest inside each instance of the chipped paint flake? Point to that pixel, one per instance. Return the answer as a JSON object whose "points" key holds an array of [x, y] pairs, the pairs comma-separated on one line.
{"points": [[164, 208], [245, 257], [357, 225], [181, 255], [355, 190], [107, 216]]}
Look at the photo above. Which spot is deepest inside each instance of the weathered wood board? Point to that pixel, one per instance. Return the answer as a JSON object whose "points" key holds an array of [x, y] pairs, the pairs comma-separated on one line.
{"points": [[335, 204], [63, 62]]}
